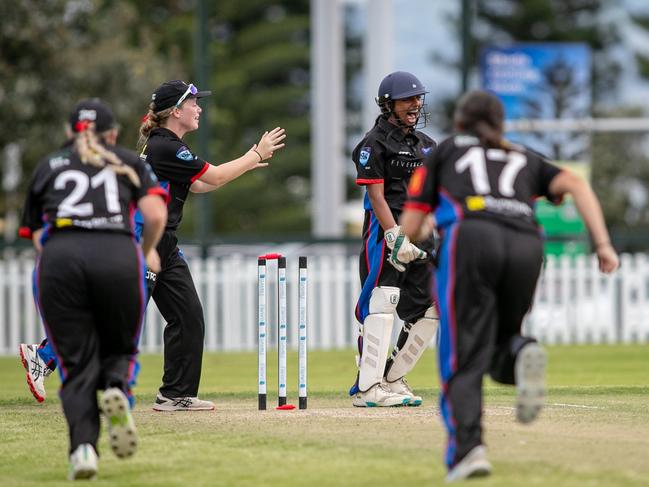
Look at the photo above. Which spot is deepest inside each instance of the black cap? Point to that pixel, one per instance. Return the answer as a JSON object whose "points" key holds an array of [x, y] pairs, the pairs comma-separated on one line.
{"points": [[92, 110], [168, 94]]}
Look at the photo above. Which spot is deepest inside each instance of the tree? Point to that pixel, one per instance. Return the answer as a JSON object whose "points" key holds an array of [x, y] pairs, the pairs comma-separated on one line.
{"points": [[259, 58], [57, 52]]}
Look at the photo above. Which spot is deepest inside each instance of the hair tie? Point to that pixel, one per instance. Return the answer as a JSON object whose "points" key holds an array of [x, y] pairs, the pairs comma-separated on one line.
{"points": [[81, 126], [145, 118]]}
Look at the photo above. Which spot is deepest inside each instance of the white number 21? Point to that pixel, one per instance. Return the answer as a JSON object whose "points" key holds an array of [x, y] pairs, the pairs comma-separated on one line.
{"points": [[71, 205], [476, 162]]}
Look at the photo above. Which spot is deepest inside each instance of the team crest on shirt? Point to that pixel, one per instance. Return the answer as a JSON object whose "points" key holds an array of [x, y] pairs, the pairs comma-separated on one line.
{"points": [[365, 155], [184, 154]]}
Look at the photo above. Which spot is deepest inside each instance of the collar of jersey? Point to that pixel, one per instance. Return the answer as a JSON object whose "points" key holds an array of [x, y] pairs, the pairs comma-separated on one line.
{"points": [[164, 132], [395, 131]]}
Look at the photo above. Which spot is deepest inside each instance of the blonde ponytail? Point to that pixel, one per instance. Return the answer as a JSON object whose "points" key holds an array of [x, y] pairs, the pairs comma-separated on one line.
{"points": [[93, 153], [152, 120]]}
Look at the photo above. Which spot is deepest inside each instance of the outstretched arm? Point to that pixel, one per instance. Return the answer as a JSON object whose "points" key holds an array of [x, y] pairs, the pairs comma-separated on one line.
{"points": [[590, 210], [217, 176]]}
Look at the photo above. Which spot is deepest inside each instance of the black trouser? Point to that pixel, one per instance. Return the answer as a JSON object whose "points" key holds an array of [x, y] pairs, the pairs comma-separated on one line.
{"points": [[414, 283], [375, 270], [175, 295], [485, 284], [90, 289]]}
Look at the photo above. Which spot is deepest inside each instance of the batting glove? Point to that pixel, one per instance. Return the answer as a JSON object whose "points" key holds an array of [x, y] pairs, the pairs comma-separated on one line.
{"points": [[402, 250]]}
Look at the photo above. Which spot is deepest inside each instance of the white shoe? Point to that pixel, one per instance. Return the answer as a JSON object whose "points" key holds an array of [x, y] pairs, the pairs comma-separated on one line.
{"points": [[530, 382], [379, 395], [400, 386], [36, 369], [474, 464], [181, 404], [122, 435], [83, 463]]}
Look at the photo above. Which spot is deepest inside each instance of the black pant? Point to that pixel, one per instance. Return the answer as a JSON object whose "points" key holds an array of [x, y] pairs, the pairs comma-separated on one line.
{"points": [[485, 285], [375, 270], [414, 283], [175, 295], [90, 289]]}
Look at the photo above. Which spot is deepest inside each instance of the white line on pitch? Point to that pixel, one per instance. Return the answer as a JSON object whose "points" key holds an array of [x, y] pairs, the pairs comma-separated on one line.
{"points": [[574, 406]]}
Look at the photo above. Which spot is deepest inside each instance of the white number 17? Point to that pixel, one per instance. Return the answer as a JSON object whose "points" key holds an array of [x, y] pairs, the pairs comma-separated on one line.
{"points": [[476, 162]]}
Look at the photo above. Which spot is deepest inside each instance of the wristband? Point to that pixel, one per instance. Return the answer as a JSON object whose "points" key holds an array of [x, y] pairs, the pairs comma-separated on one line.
{"points": [[256, 152]]}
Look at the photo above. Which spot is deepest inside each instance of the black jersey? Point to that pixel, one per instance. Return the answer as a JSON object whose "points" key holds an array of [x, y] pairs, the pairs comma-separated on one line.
{"points": [[463, 179], [177, 168], [388, 155], [65, 193]]}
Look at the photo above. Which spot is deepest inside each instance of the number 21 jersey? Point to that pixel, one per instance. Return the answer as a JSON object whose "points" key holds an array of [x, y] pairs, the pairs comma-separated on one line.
{"points": [[66, 193]]}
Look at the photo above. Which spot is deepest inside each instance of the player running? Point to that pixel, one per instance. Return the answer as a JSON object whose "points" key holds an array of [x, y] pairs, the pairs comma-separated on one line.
{"points": [[482, 190]]}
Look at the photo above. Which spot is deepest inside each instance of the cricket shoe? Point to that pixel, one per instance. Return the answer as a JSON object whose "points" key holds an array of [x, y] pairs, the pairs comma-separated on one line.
{"points": [[36, 369], [474, 464], [379, 395], [181, 404], [83, 463], [530, 382], [400, 386], [122, 435]]}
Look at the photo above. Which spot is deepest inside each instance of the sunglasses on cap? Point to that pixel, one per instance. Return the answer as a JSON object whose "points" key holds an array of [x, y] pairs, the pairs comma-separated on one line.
{"points": [[191, 90]]}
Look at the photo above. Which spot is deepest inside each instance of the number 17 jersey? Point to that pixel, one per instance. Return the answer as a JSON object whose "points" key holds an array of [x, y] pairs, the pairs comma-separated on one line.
{"points": [[464, 179]]}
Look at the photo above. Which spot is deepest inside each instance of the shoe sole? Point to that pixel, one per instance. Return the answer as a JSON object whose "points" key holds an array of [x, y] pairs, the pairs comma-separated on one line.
{"points": [[30, 382], [480, 469], [415, 402], [84, 473], [170, 409], [122, 435], [530, 382], [404, 402], [474, 465]]}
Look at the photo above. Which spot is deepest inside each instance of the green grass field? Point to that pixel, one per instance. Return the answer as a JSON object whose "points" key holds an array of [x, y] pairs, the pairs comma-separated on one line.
{"points": [[593, 432]]}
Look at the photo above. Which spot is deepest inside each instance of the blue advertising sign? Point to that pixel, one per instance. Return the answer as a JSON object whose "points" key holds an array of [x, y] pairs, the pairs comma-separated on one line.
{"points": [[542, 81]]}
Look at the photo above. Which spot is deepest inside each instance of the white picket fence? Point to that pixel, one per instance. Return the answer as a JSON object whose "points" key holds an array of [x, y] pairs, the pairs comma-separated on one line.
{"points": [[574, 303]]}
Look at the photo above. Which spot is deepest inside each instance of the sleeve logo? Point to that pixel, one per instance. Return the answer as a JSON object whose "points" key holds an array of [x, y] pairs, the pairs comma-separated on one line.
{"points": [[365, 155], [426, 150], [184, 154]]}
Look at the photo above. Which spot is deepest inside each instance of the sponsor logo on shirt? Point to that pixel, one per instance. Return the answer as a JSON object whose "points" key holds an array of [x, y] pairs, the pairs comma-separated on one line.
{"points": [[57, 162], [365, 155], [115, 221], [184, 154], [503, 206], [465, 140], [405, 164]]}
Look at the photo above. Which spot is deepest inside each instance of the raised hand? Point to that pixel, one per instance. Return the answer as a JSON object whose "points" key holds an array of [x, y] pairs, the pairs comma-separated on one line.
{"points": [[270, 142]]}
